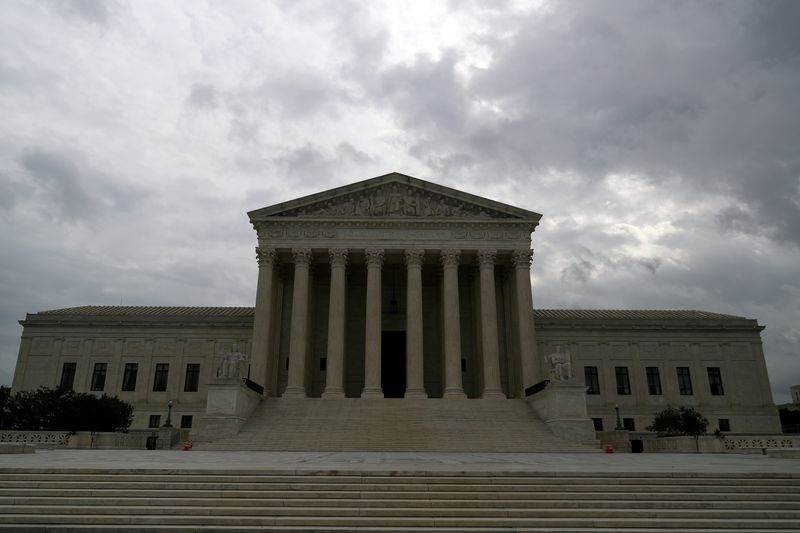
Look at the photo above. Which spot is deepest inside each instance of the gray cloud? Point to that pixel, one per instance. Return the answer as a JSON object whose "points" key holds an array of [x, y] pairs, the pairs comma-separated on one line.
{"points": [[72, 188]]}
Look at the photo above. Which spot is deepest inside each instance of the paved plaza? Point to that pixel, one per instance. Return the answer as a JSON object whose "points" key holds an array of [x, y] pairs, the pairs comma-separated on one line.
{"points": [[402, 462]]}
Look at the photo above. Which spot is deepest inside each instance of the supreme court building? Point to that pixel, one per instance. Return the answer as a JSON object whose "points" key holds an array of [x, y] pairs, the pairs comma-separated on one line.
{"points": [[395, 287]]}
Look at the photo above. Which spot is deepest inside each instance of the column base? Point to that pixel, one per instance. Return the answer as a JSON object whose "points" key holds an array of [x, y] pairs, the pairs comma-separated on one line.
{"points": [[415, 394], [493, 394], [333, 394], [372, 393], [294, 393], [454, 394]]}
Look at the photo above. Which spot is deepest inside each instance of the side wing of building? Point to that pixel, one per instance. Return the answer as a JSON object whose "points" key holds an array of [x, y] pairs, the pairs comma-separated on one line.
{"points": [[644, 361]]}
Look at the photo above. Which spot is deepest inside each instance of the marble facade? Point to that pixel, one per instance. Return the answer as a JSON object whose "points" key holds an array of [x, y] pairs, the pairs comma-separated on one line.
{"points": [[396, 287]]}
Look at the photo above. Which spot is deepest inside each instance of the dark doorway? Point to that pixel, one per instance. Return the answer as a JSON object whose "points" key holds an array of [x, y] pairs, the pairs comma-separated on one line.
{"points": [[393, 364]]}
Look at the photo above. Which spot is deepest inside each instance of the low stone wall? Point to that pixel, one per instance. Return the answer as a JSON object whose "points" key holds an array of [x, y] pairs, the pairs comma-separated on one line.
{"points": [[134, 439], [49, 439], [703, 444], [739, 443], [727, 444]]}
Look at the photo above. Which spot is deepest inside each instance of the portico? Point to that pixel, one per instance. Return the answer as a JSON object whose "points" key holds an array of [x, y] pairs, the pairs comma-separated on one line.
{"points": [[394, 287]]}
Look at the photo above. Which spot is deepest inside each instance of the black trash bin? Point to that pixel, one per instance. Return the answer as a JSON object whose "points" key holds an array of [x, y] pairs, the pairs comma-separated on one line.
{"points": [[151, 442]]}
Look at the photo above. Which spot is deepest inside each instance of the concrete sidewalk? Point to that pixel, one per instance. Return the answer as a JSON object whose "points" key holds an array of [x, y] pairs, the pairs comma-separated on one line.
{"points": [[401, 462]]}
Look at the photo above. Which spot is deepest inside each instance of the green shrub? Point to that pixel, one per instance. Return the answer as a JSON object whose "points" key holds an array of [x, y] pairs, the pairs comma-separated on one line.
{"points": [[59, 410], [678, 421]]}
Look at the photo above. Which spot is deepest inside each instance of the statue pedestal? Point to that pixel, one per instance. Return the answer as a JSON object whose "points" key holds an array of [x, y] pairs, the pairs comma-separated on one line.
{"points": [[228, 406], [562, 406]]}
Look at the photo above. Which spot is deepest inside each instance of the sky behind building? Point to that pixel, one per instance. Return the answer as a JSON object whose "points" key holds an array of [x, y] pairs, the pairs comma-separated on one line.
{"points": [[659, 140]]}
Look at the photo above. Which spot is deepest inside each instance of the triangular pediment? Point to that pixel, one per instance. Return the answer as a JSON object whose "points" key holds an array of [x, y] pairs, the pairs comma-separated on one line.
{"points": [[394, 195]]}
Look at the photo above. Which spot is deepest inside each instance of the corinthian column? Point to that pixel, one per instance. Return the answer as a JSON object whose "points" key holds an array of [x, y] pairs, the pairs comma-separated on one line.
{"points": [[489, 343], [261, 359], [372, 346], [531, 372], [415, 386], [298, 339], [452, 325], [334, 383]]}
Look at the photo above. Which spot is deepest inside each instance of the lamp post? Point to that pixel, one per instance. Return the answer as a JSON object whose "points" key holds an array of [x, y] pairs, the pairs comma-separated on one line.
{"points": [[168, 423], [619, 422]]}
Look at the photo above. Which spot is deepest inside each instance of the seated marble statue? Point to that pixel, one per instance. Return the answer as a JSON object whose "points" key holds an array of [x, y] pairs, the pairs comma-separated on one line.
{"points": [[560, 365]]}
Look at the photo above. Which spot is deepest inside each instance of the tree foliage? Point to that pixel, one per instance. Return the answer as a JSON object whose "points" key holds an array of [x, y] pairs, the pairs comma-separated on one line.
{"points": [[60, 410], [679, 421]]}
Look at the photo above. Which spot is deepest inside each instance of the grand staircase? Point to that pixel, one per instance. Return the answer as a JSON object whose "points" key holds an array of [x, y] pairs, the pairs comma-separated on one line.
{"points": [[210, 501], [395, 425]]}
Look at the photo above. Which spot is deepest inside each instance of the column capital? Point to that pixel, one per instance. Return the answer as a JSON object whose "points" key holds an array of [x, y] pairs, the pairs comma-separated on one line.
{"points": [[486, 258], [451, 257], [413, 257], [338, 256], [302, 256], [374, 257], [522, 258], [266, 256]]}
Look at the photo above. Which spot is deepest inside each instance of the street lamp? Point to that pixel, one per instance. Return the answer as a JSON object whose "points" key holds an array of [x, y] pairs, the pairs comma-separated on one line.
{"points": [[619, 422], [168, 423]]}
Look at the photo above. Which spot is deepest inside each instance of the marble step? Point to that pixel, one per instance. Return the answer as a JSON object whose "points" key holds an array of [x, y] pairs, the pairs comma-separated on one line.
{"points": [[615, 503], [395, 425], [355, 522]]}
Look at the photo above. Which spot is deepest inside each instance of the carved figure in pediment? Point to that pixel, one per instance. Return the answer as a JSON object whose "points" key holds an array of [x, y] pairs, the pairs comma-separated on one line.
{"points": [[379, 204], [347, 207], [427, 209], [363, 206], [410, 204], [395, 201]]}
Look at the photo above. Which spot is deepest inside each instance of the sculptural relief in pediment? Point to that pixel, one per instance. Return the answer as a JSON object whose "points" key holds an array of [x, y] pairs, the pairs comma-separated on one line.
{"points": [[394, 200]]}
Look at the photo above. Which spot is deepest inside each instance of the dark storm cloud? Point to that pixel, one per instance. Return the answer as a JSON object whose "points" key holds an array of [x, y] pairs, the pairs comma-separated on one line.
{"points": [[73, 189]]}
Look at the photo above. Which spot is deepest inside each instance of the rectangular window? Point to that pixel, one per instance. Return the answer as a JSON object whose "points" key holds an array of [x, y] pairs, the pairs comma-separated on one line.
{"points": [[629, 424], [623, 381], [591, 380], [99, 376], [684, 381], [724, 424], [192, 377], [715, 381], [155, 421], [186, 422], [653, 381], [160, 380], [129, 376], [598, 424], [67, 376]]}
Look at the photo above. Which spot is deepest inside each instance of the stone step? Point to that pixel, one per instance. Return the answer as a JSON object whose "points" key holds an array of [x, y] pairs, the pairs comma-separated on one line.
{"points": [[335, 477], [364, 529], [501, 511], [354, 424], [356, 522], [687, 503]]}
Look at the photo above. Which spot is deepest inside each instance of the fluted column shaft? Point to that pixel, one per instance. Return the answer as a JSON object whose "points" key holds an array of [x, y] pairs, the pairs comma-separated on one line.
{"points": [[262, 366], [372, 345], [298, 339], [489, 339], [531, 371], [452, 325], [334, 383], [415, 385]]}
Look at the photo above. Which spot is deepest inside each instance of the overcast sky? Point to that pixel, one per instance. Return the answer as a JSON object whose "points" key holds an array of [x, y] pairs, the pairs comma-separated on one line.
{"points": [[660, 140]]}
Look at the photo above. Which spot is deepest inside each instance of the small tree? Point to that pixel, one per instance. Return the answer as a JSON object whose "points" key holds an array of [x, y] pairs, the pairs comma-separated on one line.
{"points": [[678, 421]]}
